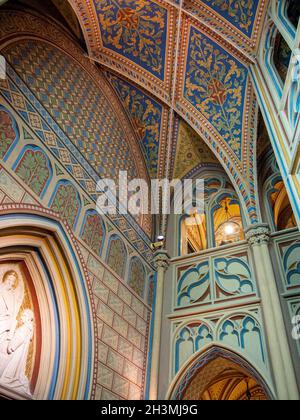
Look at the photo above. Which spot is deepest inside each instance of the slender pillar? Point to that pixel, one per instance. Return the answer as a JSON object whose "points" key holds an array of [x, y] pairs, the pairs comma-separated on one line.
{"points": [[284, 374], [161, 263]]}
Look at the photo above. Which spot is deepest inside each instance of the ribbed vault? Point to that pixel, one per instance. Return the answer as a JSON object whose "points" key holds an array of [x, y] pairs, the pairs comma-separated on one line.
{"points": [[170, 61], [189, 58]]}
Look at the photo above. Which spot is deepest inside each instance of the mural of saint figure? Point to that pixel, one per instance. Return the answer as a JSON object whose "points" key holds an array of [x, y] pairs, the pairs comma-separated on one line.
{"points": [[14, 374], [16, 334], [11, 298]]}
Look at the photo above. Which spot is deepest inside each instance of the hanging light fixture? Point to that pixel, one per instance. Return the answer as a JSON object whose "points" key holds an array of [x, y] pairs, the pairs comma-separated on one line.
{"points": [[230, 228]]}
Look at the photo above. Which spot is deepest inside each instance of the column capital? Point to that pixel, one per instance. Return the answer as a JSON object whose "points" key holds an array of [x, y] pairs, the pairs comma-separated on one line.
{"points": [[161, 260], [258, 234]]}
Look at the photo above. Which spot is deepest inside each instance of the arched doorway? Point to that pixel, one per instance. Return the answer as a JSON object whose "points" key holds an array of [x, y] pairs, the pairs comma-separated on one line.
{"points": [[219, 375], [223, 380], [47, 341]]}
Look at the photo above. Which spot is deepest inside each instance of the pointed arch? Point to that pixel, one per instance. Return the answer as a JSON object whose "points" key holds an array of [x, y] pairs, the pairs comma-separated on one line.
{"points": [[116, 256], [201, 359], [46, 246], [137, 276]]}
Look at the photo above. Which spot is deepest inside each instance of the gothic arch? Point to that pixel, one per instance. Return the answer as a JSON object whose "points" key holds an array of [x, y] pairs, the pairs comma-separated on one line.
{"points": [[63, 309], [202, 359]]}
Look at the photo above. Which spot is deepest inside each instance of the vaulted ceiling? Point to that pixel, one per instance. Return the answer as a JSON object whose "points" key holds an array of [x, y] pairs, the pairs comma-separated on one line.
{"points": [[223, 380], [187, 58]]}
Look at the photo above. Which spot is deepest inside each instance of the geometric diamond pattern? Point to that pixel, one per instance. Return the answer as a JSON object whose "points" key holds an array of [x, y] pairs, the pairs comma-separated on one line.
{"points": [[76, 104], [122, 349]]}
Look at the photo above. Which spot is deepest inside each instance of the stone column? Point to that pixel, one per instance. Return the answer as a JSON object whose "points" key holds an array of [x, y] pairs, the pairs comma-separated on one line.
{"points": [[258, 237], [161, 263]]}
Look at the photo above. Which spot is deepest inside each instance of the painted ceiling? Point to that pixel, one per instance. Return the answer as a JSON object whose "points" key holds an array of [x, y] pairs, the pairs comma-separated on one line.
{"points": [[239, 14], [137, 30], [181, 70], [222, 380], [187, 58], [192, 153], [148, 117]]}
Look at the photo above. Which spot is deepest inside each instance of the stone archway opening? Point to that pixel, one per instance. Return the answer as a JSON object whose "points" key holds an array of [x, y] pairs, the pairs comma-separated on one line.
{"points": [[219, 374], [223, 380]]}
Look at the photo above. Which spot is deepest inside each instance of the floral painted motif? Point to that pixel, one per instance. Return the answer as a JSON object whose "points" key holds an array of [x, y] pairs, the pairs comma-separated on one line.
{"points": [[215, 85], [34, 170], [136, 29], [146, 117], [137, 277], [239, 13], [93, 232], [66, 203], [7, 132], [117, 256]]}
